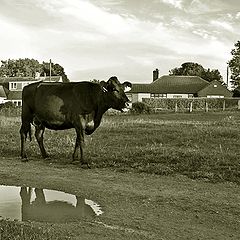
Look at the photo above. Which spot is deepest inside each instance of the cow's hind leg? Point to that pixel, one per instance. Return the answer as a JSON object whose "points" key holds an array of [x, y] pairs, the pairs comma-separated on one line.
{"points": [[39, 131]]}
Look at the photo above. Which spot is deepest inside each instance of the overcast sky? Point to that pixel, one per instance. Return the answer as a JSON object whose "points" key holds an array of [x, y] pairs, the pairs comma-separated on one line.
{"points": [[126, 38]]}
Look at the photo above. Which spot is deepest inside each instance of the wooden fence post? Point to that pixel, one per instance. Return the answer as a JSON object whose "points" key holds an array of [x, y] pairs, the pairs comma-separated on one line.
{"points": [[191, 107], [176, 107], [206, 106], [224, 105]]}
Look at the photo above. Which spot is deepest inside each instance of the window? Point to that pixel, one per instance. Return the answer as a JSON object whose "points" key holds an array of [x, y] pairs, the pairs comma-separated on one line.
{"points": [[158, 95], [17, 103], [215, 85], [177, 96], [215, 96], [13, 85]]}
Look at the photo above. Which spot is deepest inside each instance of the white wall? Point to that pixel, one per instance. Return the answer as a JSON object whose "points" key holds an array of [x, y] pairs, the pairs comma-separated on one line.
{"points": [[2, 100], [177, 95], [143, 95]]}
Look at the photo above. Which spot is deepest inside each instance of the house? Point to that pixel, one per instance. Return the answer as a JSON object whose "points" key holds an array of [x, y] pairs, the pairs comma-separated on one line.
{"points": [[13, 86], [3, 95], [178, 87]]}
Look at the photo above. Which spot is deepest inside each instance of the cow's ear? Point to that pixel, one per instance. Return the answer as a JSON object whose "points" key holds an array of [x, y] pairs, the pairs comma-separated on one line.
{"points": [[127, 86], [110, 84]]}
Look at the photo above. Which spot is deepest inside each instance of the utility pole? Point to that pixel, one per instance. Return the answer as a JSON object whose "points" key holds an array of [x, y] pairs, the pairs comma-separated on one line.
{"points": [[50, 69], [227, 74]]}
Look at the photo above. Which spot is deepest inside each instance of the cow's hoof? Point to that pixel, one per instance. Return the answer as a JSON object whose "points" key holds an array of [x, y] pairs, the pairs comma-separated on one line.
{"points": [[24, 159], [85, 166], [75, 162]]}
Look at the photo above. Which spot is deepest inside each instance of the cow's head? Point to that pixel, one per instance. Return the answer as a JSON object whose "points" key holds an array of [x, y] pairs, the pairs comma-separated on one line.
{"points": [[116, 93]]}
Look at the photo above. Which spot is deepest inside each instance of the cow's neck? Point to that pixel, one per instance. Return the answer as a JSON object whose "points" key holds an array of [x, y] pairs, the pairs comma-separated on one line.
{"points": [[104, 103]]}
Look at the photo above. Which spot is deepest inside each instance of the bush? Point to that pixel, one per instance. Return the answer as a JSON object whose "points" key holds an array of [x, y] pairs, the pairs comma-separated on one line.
{"points": [[9, 109], [140, 107], [7, 105], [199, 104]]}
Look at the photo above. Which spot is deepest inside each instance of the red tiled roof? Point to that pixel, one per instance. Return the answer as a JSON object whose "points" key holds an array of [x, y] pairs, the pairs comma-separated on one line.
{"points": [[14, 95], [29, 79], [178, 84], [215, 88], [2, 92], [16, 79], [172, 84], [140, 88]]}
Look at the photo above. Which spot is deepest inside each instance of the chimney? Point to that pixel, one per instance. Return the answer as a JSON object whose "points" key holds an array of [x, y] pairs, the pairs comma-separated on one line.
{"points": [[37, 75], [155, 74]]}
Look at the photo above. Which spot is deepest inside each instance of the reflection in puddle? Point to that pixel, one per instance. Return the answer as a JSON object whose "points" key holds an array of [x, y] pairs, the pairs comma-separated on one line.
{"points": [[35, 204]]}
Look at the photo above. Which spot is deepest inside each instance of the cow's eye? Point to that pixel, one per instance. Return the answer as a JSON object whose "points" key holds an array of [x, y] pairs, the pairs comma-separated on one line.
{"points": [[115, 90]]}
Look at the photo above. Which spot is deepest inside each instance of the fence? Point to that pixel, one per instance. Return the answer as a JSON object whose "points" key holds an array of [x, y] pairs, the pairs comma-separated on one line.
{"points": [[192, 104]]}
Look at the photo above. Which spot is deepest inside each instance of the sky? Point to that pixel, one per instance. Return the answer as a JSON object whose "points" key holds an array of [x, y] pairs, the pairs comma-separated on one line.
{"points": [[97, 39]]}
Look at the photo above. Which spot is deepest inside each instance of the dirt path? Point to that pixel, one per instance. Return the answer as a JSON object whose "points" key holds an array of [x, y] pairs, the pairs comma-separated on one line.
{"points": [[136, 206]]}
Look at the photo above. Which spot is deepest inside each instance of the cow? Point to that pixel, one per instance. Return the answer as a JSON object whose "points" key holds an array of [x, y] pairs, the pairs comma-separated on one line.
{"points": [[61, 106]]}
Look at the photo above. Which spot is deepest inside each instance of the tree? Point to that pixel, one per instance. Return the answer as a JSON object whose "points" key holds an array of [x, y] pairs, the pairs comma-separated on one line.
{"points": [[56, 70], [234, 65], [29, 67], [95, 81], [188, 69], [19, 68], [211, 75], [195, 69]]}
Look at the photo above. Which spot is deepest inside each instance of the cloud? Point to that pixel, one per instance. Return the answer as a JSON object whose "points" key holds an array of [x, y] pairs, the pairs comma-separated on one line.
{"points": [[14, 42], [222, 24], [174, 3], [237, 16], [88, 39]]}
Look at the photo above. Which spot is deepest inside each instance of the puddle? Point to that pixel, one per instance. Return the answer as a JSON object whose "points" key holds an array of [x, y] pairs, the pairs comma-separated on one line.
{"points": [[43, 205]]}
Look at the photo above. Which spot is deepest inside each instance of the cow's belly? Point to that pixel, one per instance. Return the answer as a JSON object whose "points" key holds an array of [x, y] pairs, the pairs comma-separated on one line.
{"points": [[53, 114]]}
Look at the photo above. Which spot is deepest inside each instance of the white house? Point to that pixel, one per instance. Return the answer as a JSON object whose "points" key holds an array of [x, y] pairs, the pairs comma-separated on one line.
{"points": [[177, 87], [13, 86]]}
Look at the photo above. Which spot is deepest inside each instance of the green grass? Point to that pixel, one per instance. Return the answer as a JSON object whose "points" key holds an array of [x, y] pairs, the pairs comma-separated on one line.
{"points": [[14, 230], [199, 145]]}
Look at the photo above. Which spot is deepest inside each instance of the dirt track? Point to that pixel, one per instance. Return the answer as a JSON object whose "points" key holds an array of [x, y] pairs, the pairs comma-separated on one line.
{"points": [[136, 206]]}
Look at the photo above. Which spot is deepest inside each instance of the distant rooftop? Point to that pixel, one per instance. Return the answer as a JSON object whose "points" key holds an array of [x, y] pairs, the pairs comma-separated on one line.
{"points": [[171, 84], [2, 92], [29, 79], [14, 95], [178, 84]]}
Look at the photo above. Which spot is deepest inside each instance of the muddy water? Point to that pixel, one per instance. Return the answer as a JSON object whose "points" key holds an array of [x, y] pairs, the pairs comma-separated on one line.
{"points": [[43, 205]]}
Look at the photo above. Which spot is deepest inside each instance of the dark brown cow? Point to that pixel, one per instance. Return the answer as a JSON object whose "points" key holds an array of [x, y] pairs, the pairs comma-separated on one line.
{"points": [[60, 106]]}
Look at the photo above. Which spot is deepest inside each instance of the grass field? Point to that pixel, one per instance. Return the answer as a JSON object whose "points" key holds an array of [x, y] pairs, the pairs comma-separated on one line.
{"points": [[204, 145], [160, 176]]}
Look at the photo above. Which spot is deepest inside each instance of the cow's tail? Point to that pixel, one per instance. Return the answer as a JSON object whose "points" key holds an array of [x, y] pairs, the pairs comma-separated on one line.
{"points": [[30, 133]]}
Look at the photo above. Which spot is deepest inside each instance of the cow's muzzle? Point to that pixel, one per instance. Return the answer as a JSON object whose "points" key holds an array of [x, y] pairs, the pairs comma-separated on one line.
{"points": [[126, 107]]}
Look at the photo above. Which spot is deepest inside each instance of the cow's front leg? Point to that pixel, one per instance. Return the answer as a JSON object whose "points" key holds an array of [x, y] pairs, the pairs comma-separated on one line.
{"points": [[78, 156], [39, 131]]}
